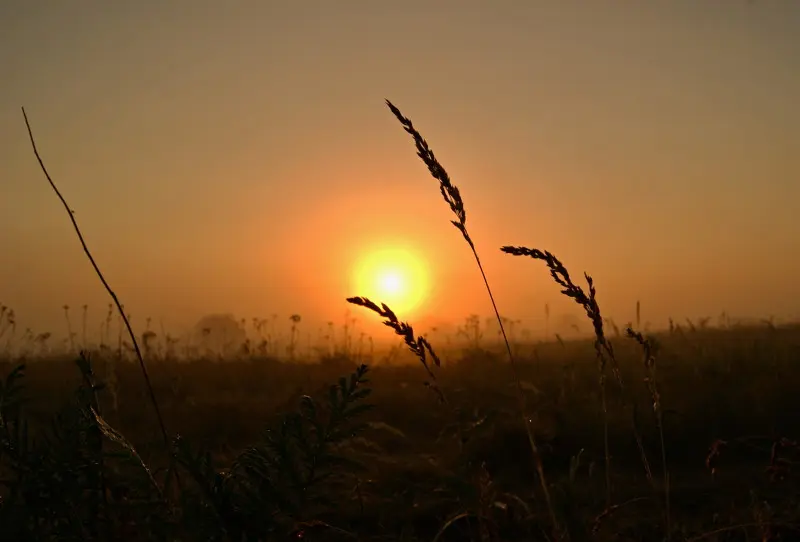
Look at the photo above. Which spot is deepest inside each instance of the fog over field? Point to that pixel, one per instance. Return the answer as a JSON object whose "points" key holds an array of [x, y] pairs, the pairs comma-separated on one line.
{"points": [[238, 158]]}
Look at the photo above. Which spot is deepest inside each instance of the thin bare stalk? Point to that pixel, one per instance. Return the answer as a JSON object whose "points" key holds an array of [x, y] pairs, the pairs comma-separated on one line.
{"points": [[452, 196], [649, 351], [71, 214]]}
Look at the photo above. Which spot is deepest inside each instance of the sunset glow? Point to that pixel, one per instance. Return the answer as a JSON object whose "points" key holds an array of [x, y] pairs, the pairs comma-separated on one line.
{"points": [[392, 276], [626, 140]]}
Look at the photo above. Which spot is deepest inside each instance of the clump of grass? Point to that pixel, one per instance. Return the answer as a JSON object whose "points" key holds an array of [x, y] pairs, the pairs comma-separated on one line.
{"points": [[279, 485], [61, 481], [452, 196], [58, 481]]}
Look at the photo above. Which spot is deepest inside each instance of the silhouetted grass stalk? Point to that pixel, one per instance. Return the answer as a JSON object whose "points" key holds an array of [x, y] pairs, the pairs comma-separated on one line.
{"points": [[419, 346], [452, 196], [138, 352], [649, 352], [603, 348]]}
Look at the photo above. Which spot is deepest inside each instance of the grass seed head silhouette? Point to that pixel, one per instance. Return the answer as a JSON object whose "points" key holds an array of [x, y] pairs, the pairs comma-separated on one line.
{"points": [[450, 192], [603, 349], [561, 276], [419, 346], [452, 196]]}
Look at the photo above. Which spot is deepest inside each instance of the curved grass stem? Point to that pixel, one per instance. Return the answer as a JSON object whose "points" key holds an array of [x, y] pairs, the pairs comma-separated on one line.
{"points": [[102, 278], [452, 196]]}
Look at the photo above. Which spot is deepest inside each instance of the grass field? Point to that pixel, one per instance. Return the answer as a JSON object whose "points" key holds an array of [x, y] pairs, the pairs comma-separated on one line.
{"points": [[685, 435], [736, 385]]}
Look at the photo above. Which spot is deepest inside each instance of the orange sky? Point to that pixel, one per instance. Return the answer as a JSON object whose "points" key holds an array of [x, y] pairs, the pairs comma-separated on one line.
{"points": [[237, 156]]}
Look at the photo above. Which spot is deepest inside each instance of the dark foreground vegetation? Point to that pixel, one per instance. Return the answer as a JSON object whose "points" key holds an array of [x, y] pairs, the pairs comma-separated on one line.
{"points": [[275, 450]]}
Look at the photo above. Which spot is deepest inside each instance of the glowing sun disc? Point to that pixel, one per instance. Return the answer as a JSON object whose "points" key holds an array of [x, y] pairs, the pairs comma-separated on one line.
{"points": [[392, 276]]}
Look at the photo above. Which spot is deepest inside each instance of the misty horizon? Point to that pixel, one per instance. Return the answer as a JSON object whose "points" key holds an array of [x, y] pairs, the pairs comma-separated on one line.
{"points": [[206, 186]]}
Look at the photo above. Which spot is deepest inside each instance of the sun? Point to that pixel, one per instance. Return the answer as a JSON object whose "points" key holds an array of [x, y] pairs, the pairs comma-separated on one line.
{"points": [[396, 277]]}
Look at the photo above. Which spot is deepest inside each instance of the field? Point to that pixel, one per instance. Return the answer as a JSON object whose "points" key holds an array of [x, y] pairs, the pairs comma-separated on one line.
{"points": [[682, 435], [409, 476]]}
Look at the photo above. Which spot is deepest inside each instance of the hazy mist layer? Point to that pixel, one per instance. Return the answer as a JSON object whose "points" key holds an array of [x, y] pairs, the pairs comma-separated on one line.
{"points": [[237, 157]]}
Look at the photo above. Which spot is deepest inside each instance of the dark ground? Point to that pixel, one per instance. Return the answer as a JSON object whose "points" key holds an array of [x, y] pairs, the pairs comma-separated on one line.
{"points": [[739, 386]]}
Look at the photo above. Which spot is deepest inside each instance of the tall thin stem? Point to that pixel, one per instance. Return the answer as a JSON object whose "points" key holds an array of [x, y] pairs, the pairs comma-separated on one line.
{"points": [[520, 393], [452, 196], [71, 214]]}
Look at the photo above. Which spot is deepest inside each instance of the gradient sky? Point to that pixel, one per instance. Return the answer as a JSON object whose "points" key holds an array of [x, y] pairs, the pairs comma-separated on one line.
{"points": [[236, 156]]}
